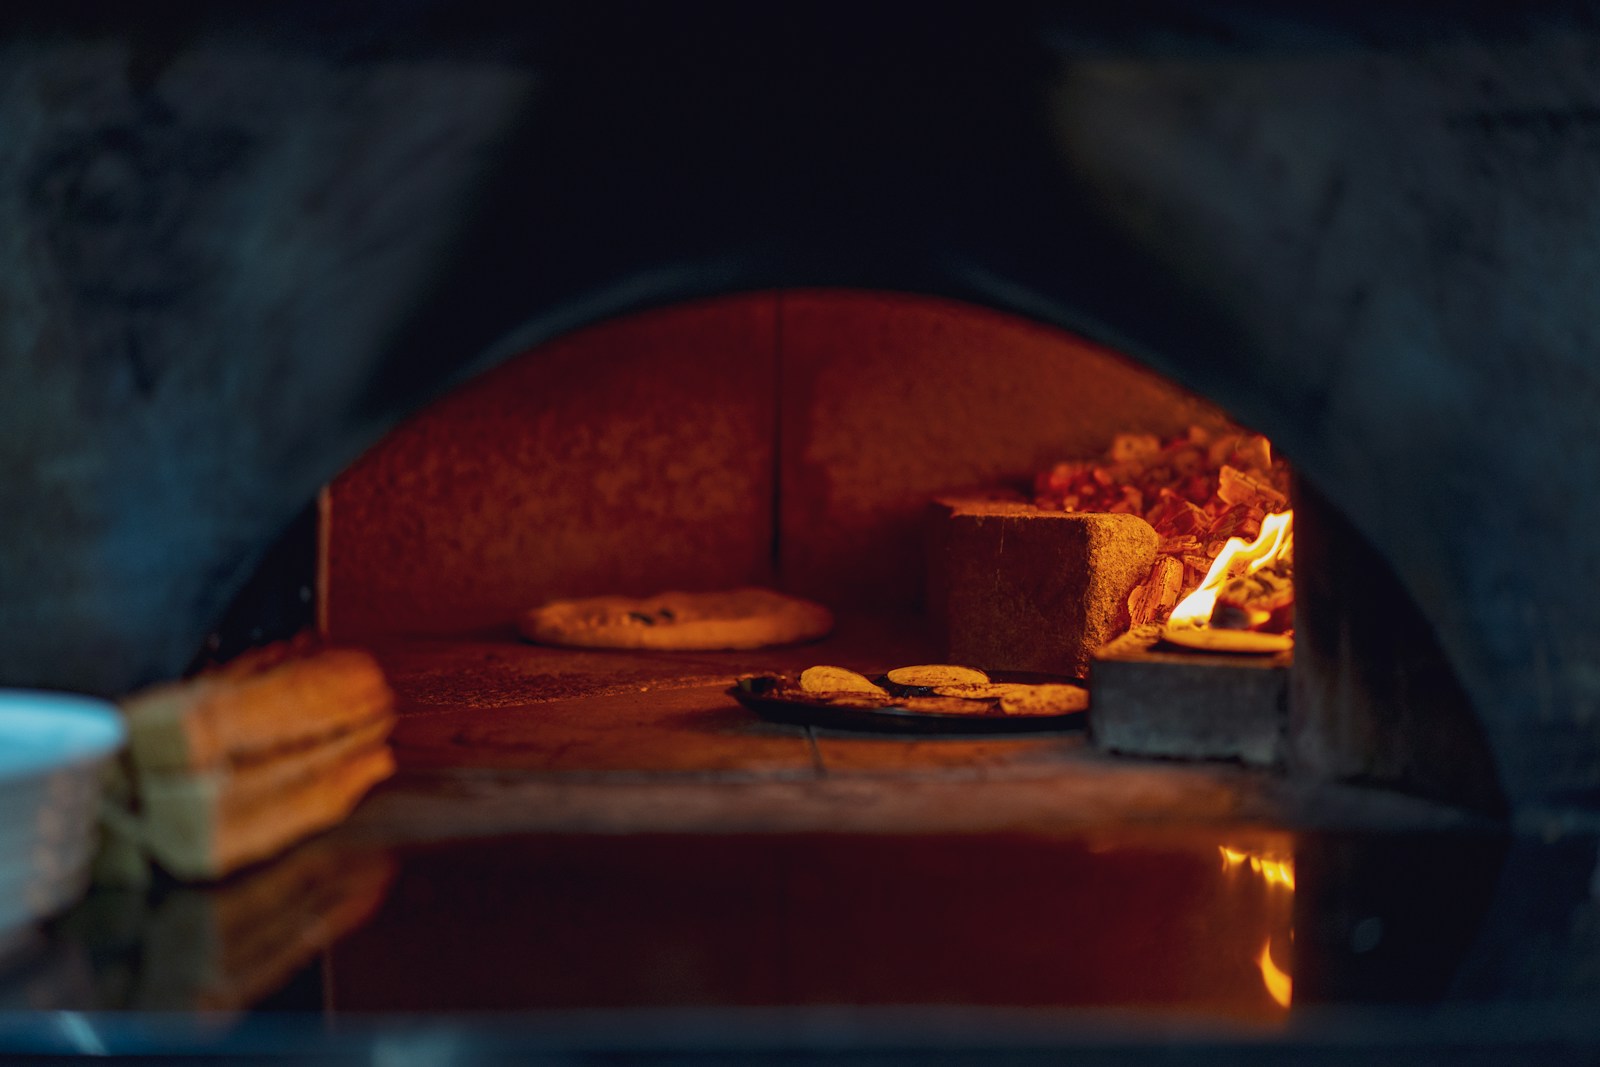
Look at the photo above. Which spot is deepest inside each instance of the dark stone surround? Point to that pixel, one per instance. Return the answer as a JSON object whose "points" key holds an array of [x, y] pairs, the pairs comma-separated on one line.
{"points": [[238, 247]]}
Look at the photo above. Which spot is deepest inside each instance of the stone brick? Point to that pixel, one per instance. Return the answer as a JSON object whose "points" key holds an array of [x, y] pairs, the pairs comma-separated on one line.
{"points": [[1016, 588], [889, 400], [1148, 701], [629, 457]]}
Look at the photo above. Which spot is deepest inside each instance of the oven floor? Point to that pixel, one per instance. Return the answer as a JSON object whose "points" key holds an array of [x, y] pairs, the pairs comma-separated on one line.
{"points": [[499, 736]]}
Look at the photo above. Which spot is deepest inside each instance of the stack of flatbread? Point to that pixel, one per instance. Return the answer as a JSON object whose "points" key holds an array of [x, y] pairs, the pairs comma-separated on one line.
{"points": [[236, 765]]}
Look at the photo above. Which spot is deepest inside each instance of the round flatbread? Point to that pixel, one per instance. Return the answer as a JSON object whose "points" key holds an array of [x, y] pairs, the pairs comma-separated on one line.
{"points": [[929, 675], [823, 680], [679, 622], [840, 700], [1044, 700], [1018, 698], [979, 690], [1210, 639], [946, 705]]}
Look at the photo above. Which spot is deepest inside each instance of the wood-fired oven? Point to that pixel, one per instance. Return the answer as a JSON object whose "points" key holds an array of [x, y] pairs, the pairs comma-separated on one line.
{"points": [[797, 439], [394, 321]]}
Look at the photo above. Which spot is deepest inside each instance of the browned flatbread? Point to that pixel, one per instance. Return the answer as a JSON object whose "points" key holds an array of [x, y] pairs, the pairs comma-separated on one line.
{"points": [[243, 761], [679, 622], [1044, 700], [1211, 639], [824, 680], [946, 705], [926, 705], [263, 704], [978, 690], [200, 828], [930, 675], [1018, 698]]}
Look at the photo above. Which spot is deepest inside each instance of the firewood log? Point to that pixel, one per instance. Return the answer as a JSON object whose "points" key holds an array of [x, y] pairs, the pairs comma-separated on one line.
{"points": [[1253, 601]]}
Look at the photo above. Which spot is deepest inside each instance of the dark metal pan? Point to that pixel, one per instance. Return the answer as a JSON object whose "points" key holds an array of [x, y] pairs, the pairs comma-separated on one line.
{"points": [[766, 695]]}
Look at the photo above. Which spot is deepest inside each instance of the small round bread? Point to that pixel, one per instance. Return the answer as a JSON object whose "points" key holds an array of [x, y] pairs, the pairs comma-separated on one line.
{"points": [[980, 690], [679, 622], [946, 706], [1044, 700], [844, 700], [1210, 639], [932, 675], [823, 680]]}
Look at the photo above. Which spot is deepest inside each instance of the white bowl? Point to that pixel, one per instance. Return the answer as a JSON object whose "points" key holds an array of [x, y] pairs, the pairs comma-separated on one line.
{"points": [[52, 749]]}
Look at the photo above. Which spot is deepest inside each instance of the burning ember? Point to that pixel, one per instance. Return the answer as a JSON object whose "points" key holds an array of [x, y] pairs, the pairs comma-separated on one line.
{"points": [[1223, 572]]}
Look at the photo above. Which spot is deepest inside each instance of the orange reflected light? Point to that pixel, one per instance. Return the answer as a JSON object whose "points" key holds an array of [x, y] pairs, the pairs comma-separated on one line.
{"points": [[1236, 559], [1279, 985], [1277, 873], [1273, 871]]}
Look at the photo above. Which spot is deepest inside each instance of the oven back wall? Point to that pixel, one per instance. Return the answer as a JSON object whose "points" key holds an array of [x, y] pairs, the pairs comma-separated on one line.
{"points": [[790, 437], [628, 457]]}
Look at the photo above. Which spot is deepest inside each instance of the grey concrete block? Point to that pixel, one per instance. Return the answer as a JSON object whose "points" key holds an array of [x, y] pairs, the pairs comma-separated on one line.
{"points": [[1149, 700]]}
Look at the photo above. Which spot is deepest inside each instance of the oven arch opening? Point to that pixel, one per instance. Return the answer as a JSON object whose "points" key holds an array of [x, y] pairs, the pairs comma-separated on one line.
{"points": [[792, 438]]}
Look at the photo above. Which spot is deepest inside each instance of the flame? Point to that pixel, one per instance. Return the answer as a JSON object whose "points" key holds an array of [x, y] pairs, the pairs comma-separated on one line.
{"points": [[1236, 558], [1279, 985]]}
